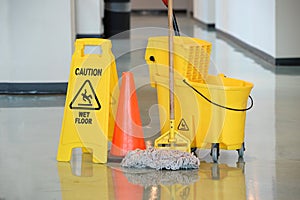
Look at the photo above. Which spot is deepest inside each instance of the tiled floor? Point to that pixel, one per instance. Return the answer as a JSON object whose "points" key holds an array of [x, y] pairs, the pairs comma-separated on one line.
{"points": [[30, 129]]}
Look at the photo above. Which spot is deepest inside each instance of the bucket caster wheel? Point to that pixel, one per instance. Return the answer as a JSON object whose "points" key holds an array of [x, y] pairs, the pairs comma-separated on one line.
{"points": [[215, 152], [241, 151], [193, 151]]}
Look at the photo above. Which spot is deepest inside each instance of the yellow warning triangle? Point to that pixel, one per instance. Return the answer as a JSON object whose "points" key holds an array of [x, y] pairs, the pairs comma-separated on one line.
{"points": [[183, 126], [86, 98]]}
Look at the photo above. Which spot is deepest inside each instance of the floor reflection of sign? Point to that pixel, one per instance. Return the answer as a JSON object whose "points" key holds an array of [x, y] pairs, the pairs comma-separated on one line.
{"points": [[183, 126], [86, 98]]}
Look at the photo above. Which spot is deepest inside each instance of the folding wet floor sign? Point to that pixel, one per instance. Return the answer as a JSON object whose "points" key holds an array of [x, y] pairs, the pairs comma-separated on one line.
{"points": [[90, 103]]}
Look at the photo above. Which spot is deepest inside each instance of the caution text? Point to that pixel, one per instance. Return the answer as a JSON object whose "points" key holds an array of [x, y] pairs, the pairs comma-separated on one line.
{"points": [[88, 72]]}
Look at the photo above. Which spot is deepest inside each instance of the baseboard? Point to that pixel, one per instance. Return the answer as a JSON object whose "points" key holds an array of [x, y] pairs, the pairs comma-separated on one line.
{"points": [[206, 26], [261, 54], [287, 61], [33, 88], [163, 12], [79, 36]]}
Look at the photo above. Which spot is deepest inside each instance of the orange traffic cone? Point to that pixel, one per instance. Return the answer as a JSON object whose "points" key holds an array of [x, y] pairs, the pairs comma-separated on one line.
{"points": [[128, 132]]}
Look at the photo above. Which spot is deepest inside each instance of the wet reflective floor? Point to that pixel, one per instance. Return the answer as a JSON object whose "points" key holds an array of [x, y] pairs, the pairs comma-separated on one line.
{"points": [[30, 129]]}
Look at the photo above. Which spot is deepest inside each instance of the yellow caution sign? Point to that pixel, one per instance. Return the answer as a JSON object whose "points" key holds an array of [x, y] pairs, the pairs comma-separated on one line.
{"points": [[91, 101]]}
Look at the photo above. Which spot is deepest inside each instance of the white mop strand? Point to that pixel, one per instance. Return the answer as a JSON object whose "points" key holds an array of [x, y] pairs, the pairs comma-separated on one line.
{"points": [[160, 159]]}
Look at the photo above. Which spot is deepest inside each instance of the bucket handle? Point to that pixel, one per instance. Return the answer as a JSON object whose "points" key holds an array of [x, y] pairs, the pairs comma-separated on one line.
{"points": [[228, 108]]}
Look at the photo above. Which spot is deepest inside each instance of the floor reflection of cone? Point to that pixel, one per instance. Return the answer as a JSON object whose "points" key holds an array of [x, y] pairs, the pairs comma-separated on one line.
{"points": [[124, 189], [128, 132]]}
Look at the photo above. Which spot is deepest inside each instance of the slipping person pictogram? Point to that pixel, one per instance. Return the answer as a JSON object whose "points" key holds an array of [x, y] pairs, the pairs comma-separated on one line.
{"points": [[86, 97]]}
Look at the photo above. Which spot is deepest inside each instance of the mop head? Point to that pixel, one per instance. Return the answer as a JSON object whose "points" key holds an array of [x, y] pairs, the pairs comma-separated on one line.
{"points": [[160, 159]]}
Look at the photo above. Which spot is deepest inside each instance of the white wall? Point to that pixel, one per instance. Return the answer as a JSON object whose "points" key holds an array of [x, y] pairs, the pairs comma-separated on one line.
{"points": [[36, 40], [89, 14], [252, 21], [271, 26], [5, 60], [287, 28], [204, 11]]}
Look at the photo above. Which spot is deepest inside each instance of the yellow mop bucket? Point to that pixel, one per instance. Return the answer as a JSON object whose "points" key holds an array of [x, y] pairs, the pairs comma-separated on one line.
{"points": [[213, 111]]}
